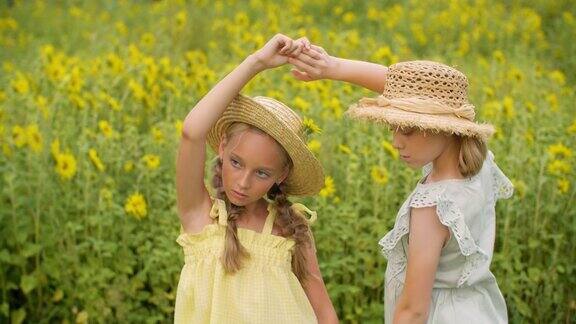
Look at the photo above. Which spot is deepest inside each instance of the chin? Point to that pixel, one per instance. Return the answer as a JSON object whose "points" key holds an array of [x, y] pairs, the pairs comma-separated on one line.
{"points": [[415, 165], [237, 200], [410, 165]]}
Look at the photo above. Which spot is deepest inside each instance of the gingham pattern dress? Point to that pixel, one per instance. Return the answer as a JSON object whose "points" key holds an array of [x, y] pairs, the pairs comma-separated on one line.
{"points": [[465, 290], [264, 290]]}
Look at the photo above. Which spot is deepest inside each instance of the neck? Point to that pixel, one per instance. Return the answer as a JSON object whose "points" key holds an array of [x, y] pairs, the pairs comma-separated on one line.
{"points": [[255, 208], [445, 166]]}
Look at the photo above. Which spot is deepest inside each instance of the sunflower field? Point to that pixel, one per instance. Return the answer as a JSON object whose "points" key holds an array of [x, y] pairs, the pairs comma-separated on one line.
{"points": [[92, 99]]}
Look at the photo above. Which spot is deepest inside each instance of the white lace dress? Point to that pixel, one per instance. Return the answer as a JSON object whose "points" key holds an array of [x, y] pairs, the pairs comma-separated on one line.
{"points": [[465, 291]]}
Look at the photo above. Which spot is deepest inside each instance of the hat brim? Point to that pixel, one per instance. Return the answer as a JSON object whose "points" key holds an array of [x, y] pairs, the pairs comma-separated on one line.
{"points": [[396, 117], [306, 176]]}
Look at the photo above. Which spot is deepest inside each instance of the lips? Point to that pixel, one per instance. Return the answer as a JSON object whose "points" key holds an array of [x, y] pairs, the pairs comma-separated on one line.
{"points": [[240, 195]]}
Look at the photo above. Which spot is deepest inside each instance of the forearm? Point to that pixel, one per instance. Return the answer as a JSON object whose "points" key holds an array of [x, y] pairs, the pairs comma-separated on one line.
{"points": [[208, 110], [365, 74]]}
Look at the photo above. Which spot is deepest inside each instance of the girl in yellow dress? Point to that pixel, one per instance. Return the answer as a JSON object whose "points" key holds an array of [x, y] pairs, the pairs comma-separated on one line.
{"points": [[249, 253]]}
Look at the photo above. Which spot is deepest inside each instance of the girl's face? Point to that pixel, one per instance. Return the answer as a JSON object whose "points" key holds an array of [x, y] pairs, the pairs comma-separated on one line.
{"points": [[418, 148], [251, 163]]}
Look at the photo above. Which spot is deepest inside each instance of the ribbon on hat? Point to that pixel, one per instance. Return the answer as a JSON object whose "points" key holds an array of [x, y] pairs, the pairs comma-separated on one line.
{"points": [[420, 106], [303, 209]]}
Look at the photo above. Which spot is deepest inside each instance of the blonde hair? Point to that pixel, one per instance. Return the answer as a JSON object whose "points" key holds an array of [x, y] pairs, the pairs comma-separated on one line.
{"points": [[473, 150], [292, 224], [472, 155]]}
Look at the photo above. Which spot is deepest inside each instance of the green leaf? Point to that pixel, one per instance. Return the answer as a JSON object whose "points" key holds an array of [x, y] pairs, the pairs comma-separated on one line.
{"points": [[31, 250], [18, 316], [534, 274], [5, 309], [28, 283], [4, 256], [523, 307], [21, 236], [533, 243]]}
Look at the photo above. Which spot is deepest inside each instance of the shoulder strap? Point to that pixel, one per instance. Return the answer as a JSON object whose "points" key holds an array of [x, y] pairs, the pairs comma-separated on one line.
{"points": [[269, 224], [219, 211]]}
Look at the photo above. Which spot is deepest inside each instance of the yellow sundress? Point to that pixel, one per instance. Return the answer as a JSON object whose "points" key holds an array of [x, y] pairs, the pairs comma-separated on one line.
{"points": [[264, 290]]}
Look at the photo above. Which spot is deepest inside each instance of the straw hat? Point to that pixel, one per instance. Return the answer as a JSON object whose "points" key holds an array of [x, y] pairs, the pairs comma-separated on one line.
{"points": [[424, 94], [286, 127]]}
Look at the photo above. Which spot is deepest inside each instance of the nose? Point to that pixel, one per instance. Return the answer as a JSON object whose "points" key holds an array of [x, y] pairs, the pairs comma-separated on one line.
{"points": [[397, 141], [244, 180]]}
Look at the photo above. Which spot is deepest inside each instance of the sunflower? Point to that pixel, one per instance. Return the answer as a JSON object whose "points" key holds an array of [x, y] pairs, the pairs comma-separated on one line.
{"points": [[136, 206], [65, 165]]}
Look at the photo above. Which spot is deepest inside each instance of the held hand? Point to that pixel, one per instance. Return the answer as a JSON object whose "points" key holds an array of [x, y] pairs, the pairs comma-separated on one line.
{"points": [[277, 50], [313, 63]]}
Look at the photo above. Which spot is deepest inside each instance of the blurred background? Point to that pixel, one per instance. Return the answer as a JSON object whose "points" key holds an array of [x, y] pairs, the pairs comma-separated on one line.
{"points": [[92, 98]]}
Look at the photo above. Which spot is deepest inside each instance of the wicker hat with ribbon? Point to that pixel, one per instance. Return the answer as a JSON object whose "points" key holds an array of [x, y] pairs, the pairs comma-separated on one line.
{"points": [[426, 95]]}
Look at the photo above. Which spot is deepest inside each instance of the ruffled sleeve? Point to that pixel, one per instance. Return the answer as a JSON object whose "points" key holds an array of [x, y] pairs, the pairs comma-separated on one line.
{"points": [[449, 215], [501, 185]]}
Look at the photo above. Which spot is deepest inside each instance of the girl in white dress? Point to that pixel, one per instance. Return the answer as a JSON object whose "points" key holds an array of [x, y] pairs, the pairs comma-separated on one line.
{"points": [[441, 246]]}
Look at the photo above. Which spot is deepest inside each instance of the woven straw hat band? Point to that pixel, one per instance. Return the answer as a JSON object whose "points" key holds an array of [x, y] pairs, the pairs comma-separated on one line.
{"points": [[436, 83], [420, 106]]}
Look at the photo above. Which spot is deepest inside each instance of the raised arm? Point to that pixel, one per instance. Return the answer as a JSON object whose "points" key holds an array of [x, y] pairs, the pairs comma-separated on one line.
{"points": [[314, 63], [193, 201]]}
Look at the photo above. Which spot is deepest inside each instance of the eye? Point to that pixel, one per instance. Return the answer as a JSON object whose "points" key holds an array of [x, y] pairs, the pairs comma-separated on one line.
{"points": [[262, 174], [234, 163]]}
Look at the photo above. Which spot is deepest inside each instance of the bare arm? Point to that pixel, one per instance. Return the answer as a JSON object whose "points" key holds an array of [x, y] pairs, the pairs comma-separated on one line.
{"points": [[316, 291], [193, 200], [426, 239], [315, 63]]}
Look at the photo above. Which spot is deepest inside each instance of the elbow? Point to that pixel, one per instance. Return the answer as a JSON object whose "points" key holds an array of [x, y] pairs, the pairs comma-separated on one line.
{"points": [[190, 132], [325, 313], [191, 135], [411, 315], [328, 317]]}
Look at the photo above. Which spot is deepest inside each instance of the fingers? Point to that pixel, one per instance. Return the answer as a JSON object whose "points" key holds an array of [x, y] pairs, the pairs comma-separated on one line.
{"points": [[288, 44], [303, 66], [298, 46], [318, 49], [305, 42], [308, 59], [295, 50], [315, 54], [303, 76]]}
